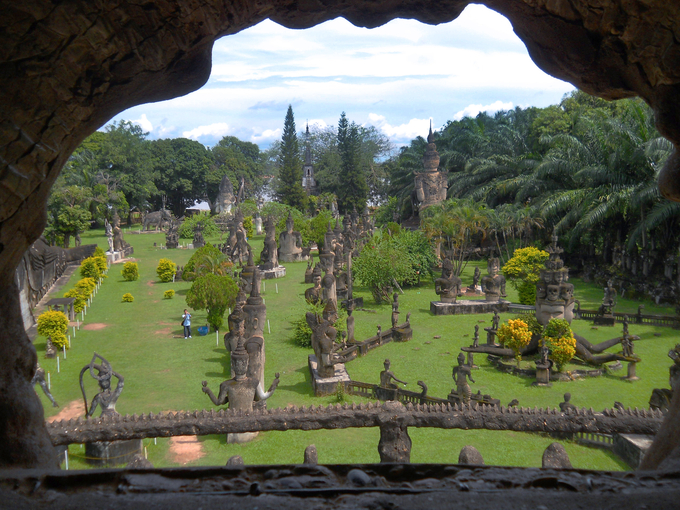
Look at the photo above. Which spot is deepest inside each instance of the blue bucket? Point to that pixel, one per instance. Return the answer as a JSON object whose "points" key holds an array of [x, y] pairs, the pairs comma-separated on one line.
{"points": [[202, 330]]}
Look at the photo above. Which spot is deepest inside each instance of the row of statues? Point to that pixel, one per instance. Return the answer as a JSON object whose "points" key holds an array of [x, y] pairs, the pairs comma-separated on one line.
{"points": [[449, 287]]}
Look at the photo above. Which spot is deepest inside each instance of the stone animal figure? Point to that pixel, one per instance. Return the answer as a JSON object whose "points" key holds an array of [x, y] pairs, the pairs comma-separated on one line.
{"points": [[157, 218]]}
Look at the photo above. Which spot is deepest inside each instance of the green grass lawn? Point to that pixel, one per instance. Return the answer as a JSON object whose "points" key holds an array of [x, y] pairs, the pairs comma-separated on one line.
{"points": [[143, 341]]}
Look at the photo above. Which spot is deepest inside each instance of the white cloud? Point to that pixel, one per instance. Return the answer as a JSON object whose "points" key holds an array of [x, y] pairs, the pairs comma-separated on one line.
{"points": [[402, 132], [266, 136], [218, 130], [144, 123], [473, 110]]}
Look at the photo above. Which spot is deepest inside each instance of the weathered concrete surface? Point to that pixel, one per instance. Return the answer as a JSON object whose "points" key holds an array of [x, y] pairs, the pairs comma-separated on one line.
{"points": [[68, 67]]}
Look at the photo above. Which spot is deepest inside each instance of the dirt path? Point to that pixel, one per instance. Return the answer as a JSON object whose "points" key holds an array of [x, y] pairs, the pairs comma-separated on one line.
{"points": [[95, 326], [72, 410], [185, 449]]}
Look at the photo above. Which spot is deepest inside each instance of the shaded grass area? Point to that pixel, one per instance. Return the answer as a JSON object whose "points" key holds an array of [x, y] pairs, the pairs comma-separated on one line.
{"points": [[163, 372]]}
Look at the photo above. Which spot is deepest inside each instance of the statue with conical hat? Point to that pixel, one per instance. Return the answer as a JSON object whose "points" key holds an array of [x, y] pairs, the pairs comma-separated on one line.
{"points": [[225, 197], [269, 258], [240, 391], [431, 184], [290, 243]]}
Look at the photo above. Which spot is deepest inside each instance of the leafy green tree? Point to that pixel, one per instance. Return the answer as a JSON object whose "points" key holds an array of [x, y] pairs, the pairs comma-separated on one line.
{"points": [[180, 169], [68, 212], [166, 270], [189, 271], [236, 159], [289, 190], [53, 325], [186, 229], [213, 293]]}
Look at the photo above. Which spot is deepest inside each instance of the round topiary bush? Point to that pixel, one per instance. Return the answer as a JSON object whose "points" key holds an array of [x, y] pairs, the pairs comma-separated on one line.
{"points": [[128, 298], [130, 271], [91, 267], [53, 325], [166, 270], [168, 294]]}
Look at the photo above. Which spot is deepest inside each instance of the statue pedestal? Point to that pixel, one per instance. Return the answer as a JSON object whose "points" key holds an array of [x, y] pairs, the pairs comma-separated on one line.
{"points": [[632, 375], [270, 274], [292, 257], [402, 334], [112, 453], [241, 437], [542, 376], [466, 307], [327, 385], [604, 320]]}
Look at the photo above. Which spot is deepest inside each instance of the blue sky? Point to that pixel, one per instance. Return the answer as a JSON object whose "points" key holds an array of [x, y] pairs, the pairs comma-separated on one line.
{"points": [[396, 77]]}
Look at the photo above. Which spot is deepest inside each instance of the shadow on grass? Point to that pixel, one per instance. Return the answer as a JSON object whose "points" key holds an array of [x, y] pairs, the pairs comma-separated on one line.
{"points": [[181, 292]]}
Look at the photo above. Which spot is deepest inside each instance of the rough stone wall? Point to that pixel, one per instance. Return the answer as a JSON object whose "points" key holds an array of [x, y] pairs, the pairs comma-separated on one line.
{"points": [[68, 67]]}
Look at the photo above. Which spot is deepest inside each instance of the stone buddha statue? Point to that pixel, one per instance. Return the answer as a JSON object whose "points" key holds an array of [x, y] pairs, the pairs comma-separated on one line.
{"points": [[448, 285], [290, 243], [493, 283], [269, 256]]}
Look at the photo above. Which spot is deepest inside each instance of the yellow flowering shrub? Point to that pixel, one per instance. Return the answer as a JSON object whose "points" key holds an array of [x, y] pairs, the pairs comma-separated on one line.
{"points": [[559, 338], [515, 335], [53, 324]]}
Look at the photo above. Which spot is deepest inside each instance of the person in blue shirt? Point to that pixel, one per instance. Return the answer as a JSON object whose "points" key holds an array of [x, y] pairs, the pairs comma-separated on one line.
{"points": [[186, 322]]}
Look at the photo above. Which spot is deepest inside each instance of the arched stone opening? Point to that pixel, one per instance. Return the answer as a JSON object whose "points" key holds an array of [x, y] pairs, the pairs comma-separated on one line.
{"points": [[68, 67]]}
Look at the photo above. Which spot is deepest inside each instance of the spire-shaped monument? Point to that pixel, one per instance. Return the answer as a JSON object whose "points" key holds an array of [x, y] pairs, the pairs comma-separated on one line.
{"points": [[308, 181], [431, 183]]}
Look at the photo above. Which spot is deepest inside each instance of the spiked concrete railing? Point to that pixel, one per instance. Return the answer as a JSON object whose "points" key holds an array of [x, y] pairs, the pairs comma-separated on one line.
{"points": [[392, 418]]}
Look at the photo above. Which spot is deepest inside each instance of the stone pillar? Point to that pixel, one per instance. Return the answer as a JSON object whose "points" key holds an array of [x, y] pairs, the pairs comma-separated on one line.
{"points": [[632, 375], [395, 443]]}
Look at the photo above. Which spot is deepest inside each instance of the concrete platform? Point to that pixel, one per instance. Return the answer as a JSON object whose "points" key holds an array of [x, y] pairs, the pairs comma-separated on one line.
{"points": [[328, 385], [468, 306], [632, 447], [270, 274]]}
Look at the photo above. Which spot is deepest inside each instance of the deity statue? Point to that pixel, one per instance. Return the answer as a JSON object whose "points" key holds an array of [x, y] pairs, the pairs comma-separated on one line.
{"points": [[313, 295], [269, 256], [241, 251], [119, 243], [431, 184], [39, 378], [290, 243], [475, 280], [395, 310], [350, 323], [308, 272], [460, 375], [493, 284], [328, 286], [448, 285], [240, 391], [199, 241], [109, 234], [567, 406], [475, 339], [106, 399], [609, 299], [323, 343], [495, 321], [554, 295], [387, 376]]}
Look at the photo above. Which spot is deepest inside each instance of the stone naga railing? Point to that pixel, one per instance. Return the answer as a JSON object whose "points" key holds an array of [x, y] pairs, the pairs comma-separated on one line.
{"points": [[391, 417]]}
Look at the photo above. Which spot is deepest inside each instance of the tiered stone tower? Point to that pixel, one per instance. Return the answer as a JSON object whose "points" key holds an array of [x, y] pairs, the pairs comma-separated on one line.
{"points": [[554, 296], [308, 181], [430, 184]]}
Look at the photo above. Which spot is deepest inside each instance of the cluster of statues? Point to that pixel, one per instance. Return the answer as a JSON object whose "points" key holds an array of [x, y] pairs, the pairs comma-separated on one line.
{"points": [[449, 287], [246, 345]]}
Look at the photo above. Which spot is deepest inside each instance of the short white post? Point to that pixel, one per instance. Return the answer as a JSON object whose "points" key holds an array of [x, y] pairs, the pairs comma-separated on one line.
{"points": [[64, 347], [154, 440], [264, 286], [78, 323], [173, 278], [58, 370], [82, 313], [269, 328], [66, 457], [146, 456], [49, 381], [277, 287], [74, 331], [217, 338]]}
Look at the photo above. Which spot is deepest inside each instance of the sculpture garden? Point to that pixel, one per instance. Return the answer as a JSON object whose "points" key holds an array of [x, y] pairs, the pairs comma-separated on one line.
{"points": [[163, 371]]}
